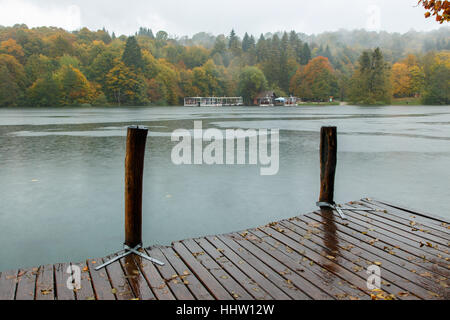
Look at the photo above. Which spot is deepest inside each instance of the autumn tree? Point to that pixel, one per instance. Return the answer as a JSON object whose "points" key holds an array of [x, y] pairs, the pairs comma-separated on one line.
{"points": [[316, 81], [12, 81], [437, 8], [401, 81], [74, 88]]}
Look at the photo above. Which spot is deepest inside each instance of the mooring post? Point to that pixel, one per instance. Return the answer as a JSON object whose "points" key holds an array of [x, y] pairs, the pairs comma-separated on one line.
{"points": [[134, 170], [134, 175], [328, 160]]}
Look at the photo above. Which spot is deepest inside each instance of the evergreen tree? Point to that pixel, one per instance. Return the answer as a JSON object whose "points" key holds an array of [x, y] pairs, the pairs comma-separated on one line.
{"points": [[132, 55], [305, 54], [370, 83]]}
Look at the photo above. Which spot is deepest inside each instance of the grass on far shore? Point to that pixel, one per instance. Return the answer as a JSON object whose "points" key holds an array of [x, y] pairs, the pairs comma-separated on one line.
{"points": [[406, 101]]}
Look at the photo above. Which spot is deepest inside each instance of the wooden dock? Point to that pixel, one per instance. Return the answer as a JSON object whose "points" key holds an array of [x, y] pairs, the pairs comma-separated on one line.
{"points": [[312, 256]]}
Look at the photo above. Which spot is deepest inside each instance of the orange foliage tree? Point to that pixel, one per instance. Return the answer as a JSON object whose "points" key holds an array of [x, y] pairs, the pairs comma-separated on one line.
{"points": [[438, 8], [316, 81]]}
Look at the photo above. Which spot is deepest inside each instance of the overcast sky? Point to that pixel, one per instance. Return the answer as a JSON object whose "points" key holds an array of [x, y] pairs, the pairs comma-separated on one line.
{"points": [[188, 17]]}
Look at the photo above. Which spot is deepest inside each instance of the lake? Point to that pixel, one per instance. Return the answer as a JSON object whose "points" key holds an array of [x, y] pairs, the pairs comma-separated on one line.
{"points": [[62, 173]]}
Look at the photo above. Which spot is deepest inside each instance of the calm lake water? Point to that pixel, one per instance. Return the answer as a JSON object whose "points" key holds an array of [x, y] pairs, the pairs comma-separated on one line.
{"points": [[62, 173]]}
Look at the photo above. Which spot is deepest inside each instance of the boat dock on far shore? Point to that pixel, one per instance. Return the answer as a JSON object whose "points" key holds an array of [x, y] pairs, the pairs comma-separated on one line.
{"points": [[213, 101]]}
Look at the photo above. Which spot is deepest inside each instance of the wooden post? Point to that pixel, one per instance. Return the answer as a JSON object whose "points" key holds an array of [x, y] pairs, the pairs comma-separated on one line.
{"points": [[328, 159], [134, 169]]}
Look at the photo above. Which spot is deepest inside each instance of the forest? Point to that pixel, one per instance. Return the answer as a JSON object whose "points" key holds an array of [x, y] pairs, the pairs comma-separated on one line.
{"points": [[49, 66]]}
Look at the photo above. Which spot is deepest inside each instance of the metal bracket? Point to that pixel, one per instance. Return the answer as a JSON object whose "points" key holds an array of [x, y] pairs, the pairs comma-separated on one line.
{"points": [[128, 250], [332, 206], [340, 209]]}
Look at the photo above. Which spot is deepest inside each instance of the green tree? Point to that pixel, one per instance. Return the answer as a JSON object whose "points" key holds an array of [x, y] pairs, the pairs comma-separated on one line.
{"points": [[370, 83], [44, 92], [132, 55], [251, 82], [437, 79]]}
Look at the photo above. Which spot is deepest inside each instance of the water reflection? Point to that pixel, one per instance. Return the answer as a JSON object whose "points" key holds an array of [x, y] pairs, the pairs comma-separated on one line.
{"points": [[330, 239]]}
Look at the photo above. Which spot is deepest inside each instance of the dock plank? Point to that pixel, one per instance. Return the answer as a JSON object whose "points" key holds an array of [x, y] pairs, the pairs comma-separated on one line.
{"points": [[8, 284], [62, 292], [338, 287], [233, 289], [136, 280], [370, 252], [45, 289], [119, 282], [26, 285], [239, 276], [284, 268], [100, 281], [389, 240], [394, 283], [86, 292], [257, 271], [413, 222], [170, 276], [154, 280], [210, 282]]}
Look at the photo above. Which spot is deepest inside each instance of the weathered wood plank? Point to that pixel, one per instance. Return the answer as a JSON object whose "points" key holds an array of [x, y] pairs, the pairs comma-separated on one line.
{"points": [[61, 278], [136, 280], [406, 251], [154, 280], [185, 275], [100, 281], [86, 292], [430, 217], [259, 273], [208, 280], [253, 288], [370, 251], [206, 261], [287, 270], [170, 276], [411, 221], [45, 283], [394, 284], [339, 288], [119, 282], [401, 230], [314, 257], [8, 284], [391, 239], [26, 285]]}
